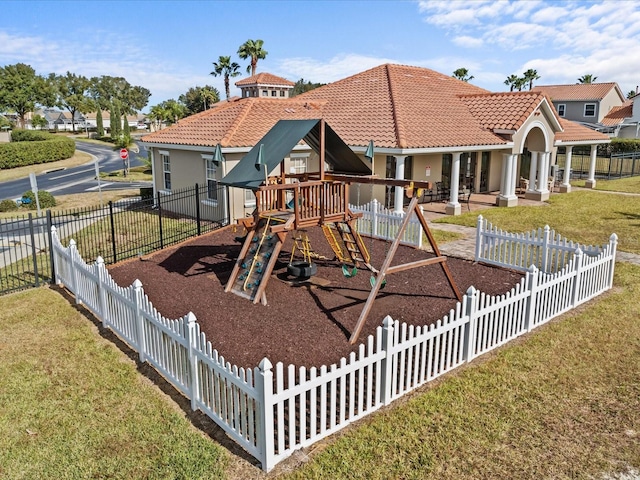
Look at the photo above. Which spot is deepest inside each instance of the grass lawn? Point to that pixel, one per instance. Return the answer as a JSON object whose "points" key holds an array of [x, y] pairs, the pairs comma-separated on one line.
{"points": [[74, 406], [627, 185]]}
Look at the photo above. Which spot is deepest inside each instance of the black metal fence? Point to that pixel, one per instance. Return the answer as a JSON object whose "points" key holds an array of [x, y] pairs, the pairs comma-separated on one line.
{"points": [[117, 231], [618, 165]]}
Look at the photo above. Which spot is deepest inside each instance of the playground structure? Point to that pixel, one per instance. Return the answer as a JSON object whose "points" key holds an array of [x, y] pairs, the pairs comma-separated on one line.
{"points": [[289, 203]]}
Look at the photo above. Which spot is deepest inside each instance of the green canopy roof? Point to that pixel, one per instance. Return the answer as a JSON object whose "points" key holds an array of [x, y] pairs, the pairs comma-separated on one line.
{"points": [[278, 144]]}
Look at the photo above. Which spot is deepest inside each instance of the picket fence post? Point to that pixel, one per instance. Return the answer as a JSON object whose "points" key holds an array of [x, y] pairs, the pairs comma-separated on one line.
{"points": [[545, 249], [54, 255], [139, 320], [264, 437], [74, 274], [479, 232], [374, 218], [101, 295], [386, 369], [193, 360], [577, 279], [469, 301], [613, 246], [532, 286]]}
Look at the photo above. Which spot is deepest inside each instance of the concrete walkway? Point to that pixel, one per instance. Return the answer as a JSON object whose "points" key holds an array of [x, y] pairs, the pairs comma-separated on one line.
{"points": [[465, 247]]}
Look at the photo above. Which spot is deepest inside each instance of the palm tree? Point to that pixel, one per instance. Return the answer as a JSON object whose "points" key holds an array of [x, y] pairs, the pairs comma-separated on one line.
{"points": [[252, 49], [511, 80], [632, 93], [520, 83], [462, 74], [531, 75], [588, 78], [224, 66]]}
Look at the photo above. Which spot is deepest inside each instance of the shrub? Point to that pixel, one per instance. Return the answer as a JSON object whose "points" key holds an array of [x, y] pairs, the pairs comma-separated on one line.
{"points": [[46, 200], [21, 135], [31, 152], [8, 206]]}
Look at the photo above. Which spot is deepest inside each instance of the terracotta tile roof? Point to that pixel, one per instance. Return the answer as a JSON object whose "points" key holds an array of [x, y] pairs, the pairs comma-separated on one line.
{"points": [[577, 92], [240, 123], [264, 79], [396, 106], [617, 114], [384, 103], [507, 111], [574, 132]]}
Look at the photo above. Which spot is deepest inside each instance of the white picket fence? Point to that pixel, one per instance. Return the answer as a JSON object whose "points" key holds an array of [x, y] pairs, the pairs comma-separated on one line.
{"points": [[273, 412], [544, 248], [380, 222]]}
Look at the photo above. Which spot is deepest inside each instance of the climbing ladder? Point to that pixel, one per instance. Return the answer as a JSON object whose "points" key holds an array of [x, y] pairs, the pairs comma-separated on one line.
{"points": [[353, 243], [255, 263]]}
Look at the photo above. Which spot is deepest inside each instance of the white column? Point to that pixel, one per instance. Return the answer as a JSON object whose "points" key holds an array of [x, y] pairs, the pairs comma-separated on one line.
{"points": [[533, 169], [453, 207], [478, 173], [399, 191], [591, 181], [507, 196], [543, 174], [566, 186]]}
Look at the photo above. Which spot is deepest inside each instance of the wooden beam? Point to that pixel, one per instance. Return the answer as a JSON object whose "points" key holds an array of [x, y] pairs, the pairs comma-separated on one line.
{"points": [[260, 293], [374, 180], [382, 273], [416, 264]]}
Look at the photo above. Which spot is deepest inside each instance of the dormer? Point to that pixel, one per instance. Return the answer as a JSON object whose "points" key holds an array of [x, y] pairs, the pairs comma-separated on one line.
{"points": [[265, 85]]}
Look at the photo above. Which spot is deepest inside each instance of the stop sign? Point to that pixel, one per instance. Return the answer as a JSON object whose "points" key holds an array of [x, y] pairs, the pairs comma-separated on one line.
{"points": [[124, 153]]}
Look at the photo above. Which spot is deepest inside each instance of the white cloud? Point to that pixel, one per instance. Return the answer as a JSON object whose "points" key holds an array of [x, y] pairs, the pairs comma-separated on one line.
{"points": [[466, 41], [340, 66]]}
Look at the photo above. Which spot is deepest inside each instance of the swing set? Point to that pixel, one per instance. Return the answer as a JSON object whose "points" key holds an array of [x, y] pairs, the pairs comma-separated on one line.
{"points": [[292, 202]]}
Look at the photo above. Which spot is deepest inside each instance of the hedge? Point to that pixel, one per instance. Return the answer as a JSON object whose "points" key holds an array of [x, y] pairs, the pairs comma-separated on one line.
{"points": [[20, 154], [20, 135]]}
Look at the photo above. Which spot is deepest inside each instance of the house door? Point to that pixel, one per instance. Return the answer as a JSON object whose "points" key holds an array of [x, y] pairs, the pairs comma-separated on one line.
{"points": [[389, 194], [484, 171]]}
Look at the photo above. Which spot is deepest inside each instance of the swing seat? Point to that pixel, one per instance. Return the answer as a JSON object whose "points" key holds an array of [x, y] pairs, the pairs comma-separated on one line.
{"points": [[373, 279], [349, 273]]}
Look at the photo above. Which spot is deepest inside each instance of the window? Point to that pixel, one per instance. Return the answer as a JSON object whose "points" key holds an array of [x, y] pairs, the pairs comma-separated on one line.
{"points": [[589, 109], [265, 93], [561, 109], [166, 170], [298, 164], [249, 198], [212, 181], [283, 93], [273, 93]]}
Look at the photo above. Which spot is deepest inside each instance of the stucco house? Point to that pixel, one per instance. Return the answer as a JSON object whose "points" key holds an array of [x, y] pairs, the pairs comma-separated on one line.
{"points": [[623, 121], [585, 103], [425, 126]]}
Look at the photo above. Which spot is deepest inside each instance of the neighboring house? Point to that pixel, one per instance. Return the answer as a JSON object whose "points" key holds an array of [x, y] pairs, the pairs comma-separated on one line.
{"points": [[265, 85], [586, 103], [623, 121], [425, 126]]}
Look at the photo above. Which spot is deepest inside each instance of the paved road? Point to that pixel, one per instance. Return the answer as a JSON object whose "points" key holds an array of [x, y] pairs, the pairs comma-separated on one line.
{"points": [[78, 179]]}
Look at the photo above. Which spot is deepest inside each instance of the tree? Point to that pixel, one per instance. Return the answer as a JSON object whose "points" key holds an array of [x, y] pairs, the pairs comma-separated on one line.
{"points": [[38, 121], [252, 49], [126, 130], [588, 78], [106, 90], [302, 87], [225, 67], [99, 123], [198, 99], [520, 83], [21, 90], [72, 93], [511, 81], [529, 76], [632, 93], [462, 74], [167, 112], [114, 120]]}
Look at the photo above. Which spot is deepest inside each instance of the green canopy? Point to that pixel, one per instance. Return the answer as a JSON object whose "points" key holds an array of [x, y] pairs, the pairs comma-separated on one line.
{"points": [[278, 144]]}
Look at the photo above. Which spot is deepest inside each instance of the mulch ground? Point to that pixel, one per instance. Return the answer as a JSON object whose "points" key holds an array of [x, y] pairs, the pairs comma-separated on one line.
{"points": [[305, 323]]}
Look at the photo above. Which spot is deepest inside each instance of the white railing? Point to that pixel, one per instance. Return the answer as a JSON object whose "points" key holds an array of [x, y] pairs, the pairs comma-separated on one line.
{"points": [[380, 222], [273, 412], [544, 248]]}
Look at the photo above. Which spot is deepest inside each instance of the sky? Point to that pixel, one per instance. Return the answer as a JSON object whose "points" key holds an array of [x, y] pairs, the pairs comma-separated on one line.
{"points": [[170, 46]]}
